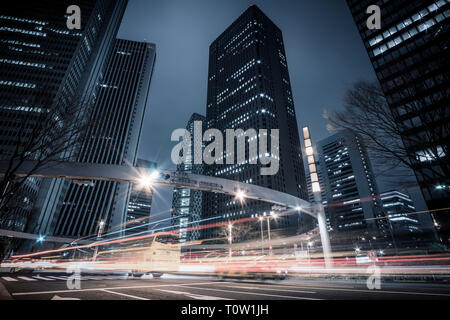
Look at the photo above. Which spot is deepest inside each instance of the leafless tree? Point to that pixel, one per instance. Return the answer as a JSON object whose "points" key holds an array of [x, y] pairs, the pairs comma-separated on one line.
{"points": [[239, 231], [392, 138], [44, 133]]}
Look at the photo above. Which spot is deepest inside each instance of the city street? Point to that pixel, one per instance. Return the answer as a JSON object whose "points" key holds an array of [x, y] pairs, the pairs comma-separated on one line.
{"points": [[52, 286]]}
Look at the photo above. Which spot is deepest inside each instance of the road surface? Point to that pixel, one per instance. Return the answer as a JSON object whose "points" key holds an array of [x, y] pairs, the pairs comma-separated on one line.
{"points": [[47, 286]]}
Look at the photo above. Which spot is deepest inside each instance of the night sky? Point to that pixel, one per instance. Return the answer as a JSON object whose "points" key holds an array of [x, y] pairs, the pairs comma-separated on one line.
{"points": [[324, 51]]}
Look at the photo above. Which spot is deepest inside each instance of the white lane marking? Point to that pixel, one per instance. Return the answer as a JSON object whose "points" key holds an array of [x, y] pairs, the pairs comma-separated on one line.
{"points": [[269, 289], [62, 298], [254, 293], [27, 279], [125, 295], [90, 278], [111, 288], [9, 279], [58, 278], [366, 291], [193, 295], [43, 278]]}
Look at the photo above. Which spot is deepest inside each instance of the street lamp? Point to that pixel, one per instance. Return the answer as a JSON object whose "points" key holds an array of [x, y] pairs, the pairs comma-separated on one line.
{"points": [[40, 239], [147, 180], [240, 195], [261, 219], [309, 246], [101, 226], [230, 238], [275, 216]]}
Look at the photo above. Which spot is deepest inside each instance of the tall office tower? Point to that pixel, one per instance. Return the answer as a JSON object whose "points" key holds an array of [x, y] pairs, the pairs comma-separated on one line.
{"points": [[187, 203], [119, 108], [249, 87], [353, 206], [44, 66], [405, 226], [140, 203], [410, 57]]}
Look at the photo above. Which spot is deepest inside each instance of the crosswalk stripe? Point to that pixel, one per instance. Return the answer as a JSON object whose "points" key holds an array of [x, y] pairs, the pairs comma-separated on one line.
{"points": [[9, 279], [27, 279], [43, 278], [58, 278], [63, 278]]}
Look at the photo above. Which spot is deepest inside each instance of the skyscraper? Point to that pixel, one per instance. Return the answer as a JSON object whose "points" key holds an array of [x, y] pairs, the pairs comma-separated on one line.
{"points": [[399, 208], [44, 65], [353, 206], [249, 87], [410, 57], [119, 107], [187, 203], [140, 203]]}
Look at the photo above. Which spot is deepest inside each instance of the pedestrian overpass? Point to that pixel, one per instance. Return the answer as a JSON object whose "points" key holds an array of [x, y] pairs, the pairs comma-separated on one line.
{"points": [[87, 173]]}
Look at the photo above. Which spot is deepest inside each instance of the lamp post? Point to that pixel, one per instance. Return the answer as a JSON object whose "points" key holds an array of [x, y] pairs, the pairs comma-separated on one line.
{"points": [[268, 232], [261, 219], [309, 245], [101, 225], [230, 238]]}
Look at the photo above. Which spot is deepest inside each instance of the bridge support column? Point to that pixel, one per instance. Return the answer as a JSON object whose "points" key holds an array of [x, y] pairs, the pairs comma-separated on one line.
{"points": [[324, 236]]}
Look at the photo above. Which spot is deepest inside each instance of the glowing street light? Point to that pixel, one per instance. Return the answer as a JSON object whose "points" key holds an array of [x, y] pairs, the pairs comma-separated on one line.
{"points": [[148, 180], [240, 195]]}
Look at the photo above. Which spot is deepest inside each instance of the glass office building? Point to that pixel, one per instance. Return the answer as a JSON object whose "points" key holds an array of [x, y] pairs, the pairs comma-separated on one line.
{"points": [[45, 66], [249, 87], [410, 55]]}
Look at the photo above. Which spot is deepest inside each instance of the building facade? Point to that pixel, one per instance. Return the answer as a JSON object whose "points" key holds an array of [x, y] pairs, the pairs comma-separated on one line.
{"points": [[404, 223], [249, 87], [119, 109], [187, 203], [353, 207], [410, 57], [45, 66]]}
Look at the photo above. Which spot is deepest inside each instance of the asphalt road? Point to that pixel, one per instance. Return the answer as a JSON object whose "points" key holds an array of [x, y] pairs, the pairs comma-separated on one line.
{"points": [[47, 286]]}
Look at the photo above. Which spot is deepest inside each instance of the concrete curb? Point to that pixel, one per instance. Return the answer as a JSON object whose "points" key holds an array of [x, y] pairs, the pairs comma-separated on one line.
{"points": [[4, 294]]}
